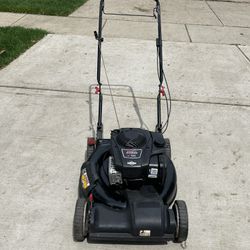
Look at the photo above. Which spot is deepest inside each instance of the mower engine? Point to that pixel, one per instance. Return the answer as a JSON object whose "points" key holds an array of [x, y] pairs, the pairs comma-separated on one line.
{"points": [[137, 157]]}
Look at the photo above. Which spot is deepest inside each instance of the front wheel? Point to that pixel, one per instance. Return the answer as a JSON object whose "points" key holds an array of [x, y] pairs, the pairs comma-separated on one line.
{"points": [[181, 215], [80, 223]]}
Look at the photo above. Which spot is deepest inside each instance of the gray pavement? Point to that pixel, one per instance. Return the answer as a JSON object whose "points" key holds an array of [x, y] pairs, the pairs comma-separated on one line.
{"points": [[196, 72], [46, 116], [232, 14], [219, 22], [8, 19], [246, 51]]}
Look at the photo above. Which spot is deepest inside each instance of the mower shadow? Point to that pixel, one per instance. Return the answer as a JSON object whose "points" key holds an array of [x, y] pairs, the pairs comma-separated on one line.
{"points": [[128, 89]]}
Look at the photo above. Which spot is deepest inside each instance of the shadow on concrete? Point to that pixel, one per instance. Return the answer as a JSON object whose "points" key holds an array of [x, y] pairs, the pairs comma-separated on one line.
{"points": [[131, 94]]}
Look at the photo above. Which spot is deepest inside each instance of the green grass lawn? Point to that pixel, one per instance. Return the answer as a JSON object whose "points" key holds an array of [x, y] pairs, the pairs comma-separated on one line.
{"points": [[15, 40], [43, 7]]}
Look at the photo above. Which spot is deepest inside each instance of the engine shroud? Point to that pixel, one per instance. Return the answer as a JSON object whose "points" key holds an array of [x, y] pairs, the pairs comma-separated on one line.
{"points": [[138, 154]]}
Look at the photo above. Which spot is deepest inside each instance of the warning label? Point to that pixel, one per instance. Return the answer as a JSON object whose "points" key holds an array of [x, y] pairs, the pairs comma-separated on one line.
{"points": [[85, 179]]}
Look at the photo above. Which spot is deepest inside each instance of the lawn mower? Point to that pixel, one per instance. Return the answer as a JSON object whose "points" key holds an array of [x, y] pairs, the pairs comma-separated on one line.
{"points": [[128, 184]]}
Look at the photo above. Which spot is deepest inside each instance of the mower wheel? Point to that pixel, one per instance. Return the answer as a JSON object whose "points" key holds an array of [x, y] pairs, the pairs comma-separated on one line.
{"points": [[79, 223], [181, 215], [168, 147]]}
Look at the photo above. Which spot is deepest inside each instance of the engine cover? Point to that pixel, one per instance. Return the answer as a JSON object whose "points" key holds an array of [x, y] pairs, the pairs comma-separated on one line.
{"points": [[137, 153]]}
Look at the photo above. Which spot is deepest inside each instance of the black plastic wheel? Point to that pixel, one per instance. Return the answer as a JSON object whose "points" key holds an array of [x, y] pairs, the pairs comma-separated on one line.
{"points": [[168, 147], [181, 215], [79, 223]]}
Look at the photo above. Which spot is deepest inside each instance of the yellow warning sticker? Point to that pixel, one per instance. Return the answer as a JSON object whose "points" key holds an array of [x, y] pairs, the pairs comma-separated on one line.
{"points": [[85, 179]]}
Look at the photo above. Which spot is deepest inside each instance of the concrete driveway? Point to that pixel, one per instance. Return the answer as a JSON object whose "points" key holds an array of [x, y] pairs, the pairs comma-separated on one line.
{"points": [[46, 113]]}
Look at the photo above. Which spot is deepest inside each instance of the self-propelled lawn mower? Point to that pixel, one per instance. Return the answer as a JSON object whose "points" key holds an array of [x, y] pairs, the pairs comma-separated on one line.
{"points": [[127, 185]]}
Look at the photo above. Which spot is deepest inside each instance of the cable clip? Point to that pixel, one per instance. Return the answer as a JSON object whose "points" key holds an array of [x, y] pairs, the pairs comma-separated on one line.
{"points": [[97, 90], [162, 91]]}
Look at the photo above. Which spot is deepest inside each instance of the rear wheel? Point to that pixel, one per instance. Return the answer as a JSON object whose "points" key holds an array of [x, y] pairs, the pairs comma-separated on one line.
{"points": [[181, 215], [80, 223]]}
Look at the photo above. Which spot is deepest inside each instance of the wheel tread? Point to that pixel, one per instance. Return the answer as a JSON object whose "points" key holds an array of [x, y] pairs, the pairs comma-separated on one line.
{"points": [[183, 220], [78, 227]]}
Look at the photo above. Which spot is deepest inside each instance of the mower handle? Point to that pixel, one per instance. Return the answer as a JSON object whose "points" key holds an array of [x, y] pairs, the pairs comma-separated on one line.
{"points": [[99, 38]]}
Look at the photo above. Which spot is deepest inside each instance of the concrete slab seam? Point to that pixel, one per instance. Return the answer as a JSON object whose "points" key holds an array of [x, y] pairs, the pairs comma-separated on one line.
{"points": [[214, 13], [190, 40], [212, 25], [169, 22], [229, 1], [123, 96], [126, 20], [18, 19], [242, 52]]}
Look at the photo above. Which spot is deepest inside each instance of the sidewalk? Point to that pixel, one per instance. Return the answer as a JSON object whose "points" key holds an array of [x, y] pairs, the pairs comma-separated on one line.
{"points": [[183, 20], [47, 112]]}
